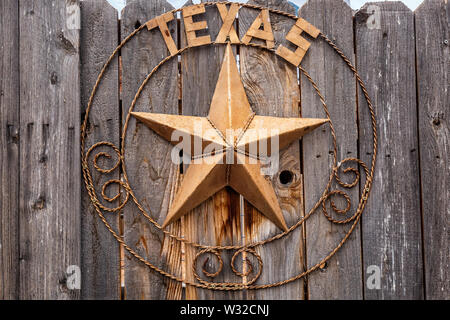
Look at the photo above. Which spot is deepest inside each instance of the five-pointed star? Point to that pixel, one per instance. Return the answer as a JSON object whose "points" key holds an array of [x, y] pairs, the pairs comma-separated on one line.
{"points": [[229, 109]]}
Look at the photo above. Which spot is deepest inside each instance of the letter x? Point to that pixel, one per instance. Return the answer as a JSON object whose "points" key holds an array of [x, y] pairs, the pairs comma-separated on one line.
{"points": [[228, 18]]}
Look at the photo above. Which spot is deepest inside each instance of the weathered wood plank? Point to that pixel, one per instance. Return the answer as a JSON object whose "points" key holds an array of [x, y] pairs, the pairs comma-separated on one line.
{"points": [[9, 149], [391, 224], [341, 279], [150, 170], [100, 257], [50, 147], [272, 89], [217, 220], [432, 29]]}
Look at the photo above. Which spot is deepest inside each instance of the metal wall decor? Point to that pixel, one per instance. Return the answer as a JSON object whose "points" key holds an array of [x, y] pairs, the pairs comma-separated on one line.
{"points": [[229, 109]]}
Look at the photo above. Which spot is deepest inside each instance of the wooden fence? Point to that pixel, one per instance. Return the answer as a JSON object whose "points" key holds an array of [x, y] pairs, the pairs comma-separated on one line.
{"points": [[50, 55]]}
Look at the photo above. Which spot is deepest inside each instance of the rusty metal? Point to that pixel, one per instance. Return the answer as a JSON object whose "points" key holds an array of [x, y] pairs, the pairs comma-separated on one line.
{"points": [[215, 250]]}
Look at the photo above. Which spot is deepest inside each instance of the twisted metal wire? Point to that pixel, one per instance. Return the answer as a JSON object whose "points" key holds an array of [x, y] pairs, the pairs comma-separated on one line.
{"points": [[228, 286]]}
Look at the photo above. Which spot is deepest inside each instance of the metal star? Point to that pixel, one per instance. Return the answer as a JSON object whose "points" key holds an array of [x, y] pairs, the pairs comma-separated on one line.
{"points": [[229, 109]]}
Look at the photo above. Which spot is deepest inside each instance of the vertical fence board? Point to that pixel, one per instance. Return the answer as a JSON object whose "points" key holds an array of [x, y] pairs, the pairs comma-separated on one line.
{"points": [[50, 148], [432, 30], [217, 220], [100, 257], [341, 278], [9, 149], [391, 223], [272, 88], [151, 173]]}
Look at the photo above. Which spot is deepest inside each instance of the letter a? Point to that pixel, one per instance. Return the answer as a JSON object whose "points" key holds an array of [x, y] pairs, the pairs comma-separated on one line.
{"points": [[255, 32]]}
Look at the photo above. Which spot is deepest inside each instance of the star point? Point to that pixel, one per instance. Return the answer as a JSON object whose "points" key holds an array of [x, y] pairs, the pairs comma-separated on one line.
{"points": [[230, 108]]}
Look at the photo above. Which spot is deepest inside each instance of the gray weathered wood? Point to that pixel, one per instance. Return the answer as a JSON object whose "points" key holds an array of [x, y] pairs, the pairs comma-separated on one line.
{"points": [[150, 170], [217, 220], [100, 257], [341, 278], [432, 30], [272, 87], [9, 149], [49, 148], [391, 224]]}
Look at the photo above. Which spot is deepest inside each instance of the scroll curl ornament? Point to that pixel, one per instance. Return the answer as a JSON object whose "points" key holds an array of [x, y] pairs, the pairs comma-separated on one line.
{"points": [[343, 194], [247, 264]]}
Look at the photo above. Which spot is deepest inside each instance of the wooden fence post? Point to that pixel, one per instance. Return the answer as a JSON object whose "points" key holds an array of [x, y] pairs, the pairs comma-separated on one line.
{"points": [[100, 257], [272, 88], [150, 170], [49, 148], [432, 45], [391, 224], [341, 277], [9, 149], [217, 220]]}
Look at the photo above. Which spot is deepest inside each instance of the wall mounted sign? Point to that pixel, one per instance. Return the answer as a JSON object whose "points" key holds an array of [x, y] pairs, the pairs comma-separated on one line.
{"points": [[228, 147]]}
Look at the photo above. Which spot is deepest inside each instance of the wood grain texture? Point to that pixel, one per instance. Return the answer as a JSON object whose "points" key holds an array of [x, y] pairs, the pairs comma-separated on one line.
{"points": [[217, 220], [150, 170], [341, 278], [100, 258], [272, 88], [433, 62], [50, 148], [391, 224], [9, 149]]}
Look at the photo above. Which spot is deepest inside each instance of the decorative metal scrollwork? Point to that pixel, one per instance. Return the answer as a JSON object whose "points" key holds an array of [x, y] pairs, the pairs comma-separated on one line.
{"points": [[250, 272], [105, 171]]}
